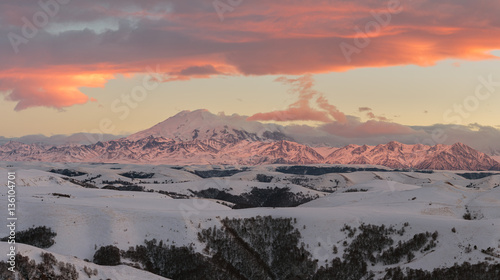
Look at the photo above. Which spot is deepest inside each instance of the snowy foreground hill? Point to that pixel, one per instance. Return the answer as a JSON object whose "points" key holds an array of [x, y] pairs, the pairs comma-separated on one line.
{"points": [[124, 221]]}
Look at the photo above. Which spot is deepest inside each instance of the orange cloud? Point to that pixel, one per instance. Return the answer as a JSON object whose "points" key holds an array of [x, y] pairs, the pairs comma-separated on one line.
{"points": [[301, 110], [57, 87]]}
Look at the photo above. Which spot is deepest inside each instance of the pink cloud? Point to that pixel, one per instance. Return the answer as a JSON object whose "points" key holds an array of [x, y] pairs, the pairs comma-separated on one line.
{"points": [[372, 116], [335, 122], [370, 128], [292, 114], [301, 110]]}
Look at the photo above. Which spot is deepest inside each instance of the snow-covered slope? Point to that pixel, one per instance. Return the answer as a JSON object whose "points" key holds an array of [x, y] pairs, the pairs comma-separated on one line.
{"points": [[81, 266], [90, 218]]}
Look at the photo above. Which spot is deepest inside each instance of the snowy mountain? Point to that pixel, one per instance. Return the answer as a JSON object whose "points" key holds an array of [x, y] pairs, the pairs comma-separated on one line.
{"points": [[200, 137], [204, 126], [73, 139], [396, 155]]}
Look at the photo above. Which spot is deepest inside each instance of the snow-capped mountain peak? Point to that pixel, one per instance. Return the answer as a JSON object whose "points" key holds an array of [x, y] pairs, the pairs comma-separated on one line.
{"points": [[202, 125], [200, 137]]}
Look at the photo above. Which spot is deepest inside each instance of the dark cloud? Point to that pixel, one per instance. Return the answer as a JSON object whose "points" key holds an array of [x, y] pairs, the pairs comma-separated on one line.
{"points": [[187, 36]]}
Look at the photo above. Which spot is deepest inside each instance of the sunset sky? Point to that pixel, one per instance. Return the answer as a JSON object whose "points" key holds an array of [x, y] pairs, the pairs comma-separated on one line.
{"points": [[365, 67]]}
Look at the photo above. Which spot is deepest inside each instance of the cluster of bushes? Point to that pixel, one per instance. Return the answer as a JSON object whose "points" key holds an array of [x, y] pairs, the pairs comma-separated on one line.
{"points": [[130, 188], [41, 237], [465, 271], [372, 244], [174, 195], [91, 179], [258, 197], [406, 249], [49, 268], [80, 183], [137, 175], [173, 262], [472, 216], [119, 182], [107, 255], [67, 172], [317, 170], [476, 175], [218, 173], [355, 190], [263, 178]]}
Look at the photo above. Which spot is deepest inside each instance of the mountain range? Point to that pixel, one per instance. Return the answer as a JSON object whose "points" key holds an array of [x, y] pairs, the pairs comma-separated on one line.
{"points": [[200, 137]]}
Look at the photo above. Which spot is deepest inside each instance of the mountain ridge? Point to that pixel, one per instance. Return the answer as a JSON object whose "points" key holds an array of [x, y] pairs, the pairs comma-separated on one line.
{"points": [[200, 137]]}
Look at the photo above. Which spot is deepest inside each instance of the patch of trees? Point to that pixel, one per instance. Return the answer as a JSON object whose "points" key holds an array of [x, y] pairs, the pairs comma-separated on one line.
{"points": [[253, 248], [177, 167], [130, 188], [405, 250], [476, 175], [373, 244], [174, 262], [61, 195], [301, 181], [417, 171], [218, 173], [80, 183], [41, 237], [137, 175], [317, 170], [259, 248], [119, 182], [263, 178], [107, 255], [490, 251], [67, 172], [49, 268], [174, 195], [258, 197], [465, 271], [355, 190], [270, 248], [91, 179]]}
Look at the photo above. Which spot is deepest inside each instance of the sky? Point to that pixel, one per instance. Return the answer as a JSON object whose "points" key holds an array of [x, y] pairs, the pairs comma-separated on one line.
{"points": [[356, 69]]}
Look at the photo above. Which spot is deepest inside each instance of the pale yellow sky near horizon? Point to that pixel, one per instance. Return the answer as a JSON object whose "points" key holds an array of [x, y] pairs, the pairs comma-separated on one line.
{"points": [[409, 95]]}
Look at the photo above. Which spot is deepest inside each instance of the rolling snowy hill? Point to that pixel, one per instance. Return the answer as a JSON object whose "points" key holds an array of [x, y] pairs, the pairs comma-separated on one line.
{"points": [[464, 212]]}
